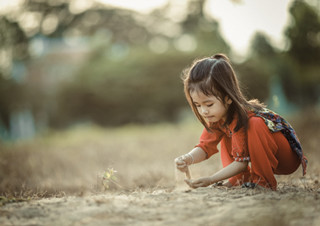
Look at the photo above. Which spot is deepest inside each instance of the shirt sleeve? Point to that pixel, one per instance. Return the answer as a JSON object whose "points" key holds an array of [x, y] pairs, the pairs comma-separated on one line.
{"points": [[209, 141], [240, 151]]}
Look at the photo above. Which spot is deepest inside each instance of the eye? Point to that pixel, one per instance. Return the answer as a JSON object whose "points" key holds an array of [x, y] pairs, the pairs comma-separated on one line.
{"points": [[209, 105]]}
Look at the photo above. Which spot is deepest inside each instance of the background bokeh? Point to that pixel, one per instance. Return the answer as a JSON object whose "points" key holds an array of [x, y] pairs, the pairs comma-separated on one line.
{"points": [[66, 65]]}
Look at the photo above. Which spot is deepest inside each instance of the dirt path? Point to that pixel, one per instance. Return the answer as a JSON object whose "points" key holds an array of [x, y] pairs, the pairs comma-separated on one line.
{"points": [[204, 206]]}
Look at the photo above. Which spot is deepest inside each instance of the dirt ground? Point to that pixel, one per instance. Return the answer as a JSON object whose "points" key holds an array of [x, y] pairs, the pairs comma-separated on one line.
{"points": [[56, 179], [203, 206]]}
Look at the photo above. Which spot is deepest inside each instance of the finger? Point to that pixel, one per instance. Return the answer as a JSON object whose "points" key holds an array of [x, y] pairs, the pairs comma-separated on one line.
{"points": [[198, 183], [180, 163], [183, 170], [182, 166], [189, 182], [201, 185]]}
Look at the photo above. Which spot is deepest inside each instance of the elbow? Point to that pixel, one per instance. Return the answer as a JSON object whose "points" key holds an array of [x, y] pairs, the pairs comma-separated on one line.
{"points": [[243, 165]]}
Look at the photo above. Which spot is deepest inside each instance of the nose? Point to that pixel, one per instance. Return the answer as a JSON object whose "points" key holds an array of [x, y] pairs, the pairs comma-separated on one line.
{"points": [[204, 111]]}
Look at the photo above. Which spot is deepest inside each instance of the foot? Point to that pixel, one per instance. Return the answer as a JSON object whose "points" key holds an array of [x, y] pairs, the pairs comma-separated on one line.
{"points": [[253, 186]]}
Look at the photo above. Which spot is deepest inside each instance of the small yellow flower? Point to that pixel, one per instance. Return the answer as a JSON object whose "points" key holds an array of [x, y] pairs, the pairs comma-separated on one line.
{"points": [[109, 177]]}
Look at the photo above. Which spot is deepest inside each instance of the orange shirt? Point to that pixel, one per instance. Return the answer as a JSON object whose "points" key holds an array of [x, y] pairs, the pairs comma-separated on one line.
{"points": [[235, 142]]}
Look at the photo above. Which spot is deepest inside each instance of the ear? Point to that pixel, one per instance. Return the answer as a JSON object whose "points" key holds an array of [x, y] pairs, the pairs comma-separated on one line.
{"points": [[227, 100]]}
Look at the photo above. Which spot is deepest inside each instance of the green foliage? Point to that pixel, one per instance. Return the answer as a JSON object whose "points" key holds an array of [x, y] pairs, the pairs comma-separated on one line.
{"points": [[136, 85], [12, 97], [256, 71], [301, 71], [5, 200], [144, 88], [254, 80], [109, 177], [301, 83], [303, 33], [298, 66], [12, 39], [110, 88], [261, 46]]}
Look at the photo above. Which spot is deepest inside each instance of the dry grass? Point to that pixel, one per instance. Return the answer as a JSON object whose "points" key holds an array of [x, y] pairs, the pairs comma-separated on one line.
{"points": [[73, 161]]}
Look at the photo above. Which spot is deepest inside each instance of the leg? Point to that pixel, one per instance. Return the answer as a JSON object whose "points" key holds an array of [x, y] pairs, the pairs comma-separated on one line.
{"points": [[288, 161], [262, 150]]}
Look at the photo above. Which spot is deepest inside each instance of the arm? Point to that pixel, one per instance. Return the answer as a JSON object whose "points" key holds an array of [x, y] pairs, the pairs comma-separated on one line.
{"points": [[196, 155], [231, 170], [206, 147]]}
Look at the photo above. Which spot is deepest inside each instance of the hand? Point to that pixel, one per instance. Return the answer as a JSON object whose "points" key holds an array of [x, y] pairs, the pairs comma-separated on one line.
{"points": [[201, 182], [182, 162]]}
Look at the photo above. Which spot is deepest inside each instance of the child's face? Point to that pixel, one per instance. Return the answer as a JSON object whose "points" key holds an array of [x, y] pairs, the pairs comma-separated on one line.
{"points": [[210, 107]]}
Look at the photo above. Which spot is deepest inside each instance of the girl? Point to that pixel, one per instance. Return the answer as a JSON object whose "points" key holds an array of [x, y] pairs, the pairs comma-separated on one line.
{"points": [[248, 132]]}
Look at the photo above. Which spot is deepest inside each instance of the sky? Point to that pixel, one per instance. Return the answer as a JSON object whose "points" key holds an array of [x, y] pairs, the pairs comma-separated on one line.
{"points": [[238, 21]]}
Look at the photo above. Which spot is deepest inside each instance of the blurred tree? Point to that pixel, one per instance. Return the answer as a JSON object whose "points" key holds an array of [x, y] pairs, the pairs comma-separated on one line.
{"points": [[144, 86], [194, 15], [254, 80], [303, 33], [13, 47], [297, 66], [261, 46], [6, 88], [301, 73], [13, 97], [260, 66], [133, 66], [204, 28], [13, 44], [61, 20], [66, 18]]}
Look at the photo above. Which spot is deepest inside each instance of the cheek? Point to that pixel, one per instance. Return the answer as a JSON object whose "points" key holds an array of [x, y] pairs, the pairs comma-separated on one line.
{"points": [[222, 109]]}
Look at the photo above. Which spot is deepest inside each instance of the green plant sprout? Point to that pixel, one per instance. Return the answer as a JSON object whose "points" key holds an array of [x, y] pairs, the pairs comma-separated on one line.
{"points": [[109, 177]]}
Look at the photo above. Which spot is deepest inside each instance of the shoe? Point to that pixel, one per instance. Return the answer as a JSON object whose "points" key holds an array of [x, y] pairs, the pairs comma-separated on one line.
{"points": [[249, 185]]}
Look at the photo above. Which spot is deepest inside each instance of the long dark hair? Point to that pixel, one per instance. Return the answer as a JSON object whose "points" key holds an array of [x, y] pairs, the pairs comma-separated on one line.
{"points": [[215, 76]]}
